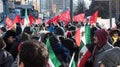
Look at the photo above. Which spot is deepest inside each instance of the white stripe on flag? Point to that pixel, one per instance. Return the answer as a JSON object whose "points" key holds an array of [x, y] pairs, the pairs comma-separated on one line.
{"points": [[83, 51], [50, 63]]}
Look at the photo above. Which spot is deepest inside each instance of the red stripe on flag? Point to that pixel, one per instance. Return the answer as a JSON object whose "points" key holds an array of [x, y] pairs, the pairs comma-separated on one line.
{"points": [[84, 59], [77, 37]]}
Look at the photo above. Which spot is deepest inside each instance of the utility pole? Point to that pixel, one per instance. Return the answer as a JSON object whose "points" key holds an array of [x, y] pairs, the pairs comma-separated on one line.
{"points": [[71, 11], [110, 12], [117, 10]]}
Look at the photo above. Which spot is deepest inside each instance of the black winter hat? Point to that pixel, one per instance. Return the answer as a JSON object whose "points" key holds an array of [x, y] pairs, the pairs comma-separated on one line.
{"points": [[59, 31], [9, 33], [28, 30]]}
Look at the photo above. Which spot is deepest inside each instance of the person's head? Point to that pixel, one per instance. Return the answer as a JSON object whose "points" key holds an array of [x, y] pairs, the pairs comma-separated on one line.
{"points": [[2, 31], [111, 58], [100, 37], [33, 54], [10, 36]]}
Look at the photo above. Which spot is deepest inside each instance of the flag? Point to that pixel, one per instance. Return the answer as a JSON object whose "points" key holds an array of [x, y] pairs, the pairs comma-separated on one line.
{"points": [[93, 18], [54, 20], [38, 21], [26, 19], [52, 55], [77, 37], [65, 16], [22, 21], [9, 23], [31, 19], [79, 18], [84, 55], [17, 19], [84, 52]]}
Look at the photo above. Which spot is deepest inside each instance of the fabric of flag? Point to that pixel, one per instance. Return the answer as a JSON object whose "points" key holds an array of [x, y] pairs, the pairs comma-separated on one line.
{"points": [[93, 18], [65, 16], [38, 21], [54, 20], [26, 19], [84, 55], [9, 23], [17, 19], [22, 21], [79, 18], [77, 37], [52, 55], [84, 52], [31, 19]]}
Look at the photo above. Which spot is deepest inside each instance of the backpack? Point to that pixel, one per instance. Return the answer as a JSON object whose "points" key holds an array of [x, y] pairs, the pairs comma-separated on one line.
{"points": [[6, 59]]}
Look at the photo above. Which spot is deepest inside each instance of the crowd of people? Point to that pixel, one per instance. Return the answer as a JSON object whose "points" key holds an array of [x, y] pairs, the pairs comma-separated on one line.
{"points": [[27, 48]]}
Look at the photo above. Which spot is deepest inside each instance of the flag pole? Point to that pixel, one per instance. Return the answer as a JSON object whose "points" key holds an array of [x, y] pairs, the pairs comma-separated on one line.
{"points": [[72, 59]]}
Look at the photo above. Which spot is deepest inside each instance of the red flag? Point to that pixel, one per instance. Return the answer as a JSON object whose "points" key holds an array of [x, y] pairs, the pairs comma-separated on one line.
{"points": [[22, 21], [93, 18], [65, 16], [79, 18], [9, 23], [17, 19], [53, 20], [32, 19], [38, 21], [77, 37]]}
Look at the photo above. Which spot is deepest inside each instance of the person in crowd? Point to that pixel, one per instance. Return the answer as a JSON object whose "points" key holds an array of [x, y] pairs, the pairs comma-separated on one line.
{"points": [[14, 50], [2, 31], [111, 58], [114, 35], [117, 44], [28, 30], [9, 39], [6, 58], [62, 53], [101, 41], [33, 54]]}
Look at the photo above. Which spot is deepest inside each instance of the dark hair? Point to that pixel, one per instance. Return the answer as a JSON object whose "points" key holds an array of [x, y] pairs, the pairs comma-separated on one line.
{"points": [[33, 54]]}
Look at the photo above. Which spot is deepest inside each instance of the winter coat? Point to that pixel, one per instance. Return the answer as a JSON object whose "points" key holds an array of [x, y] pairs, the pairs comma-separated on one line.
{"points": [[100, 53], [6, 58]]}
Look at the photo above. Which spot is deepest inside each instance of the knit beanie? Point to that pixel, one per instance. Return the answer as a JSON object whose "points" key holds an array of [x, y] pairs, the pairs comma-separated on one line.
{"points": [[102, 36]]}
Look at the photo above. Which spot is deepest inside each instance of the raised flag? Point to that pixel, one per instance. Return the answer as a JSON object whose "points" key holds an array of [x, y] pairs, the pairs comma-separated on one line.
{"points": [[38, 21], [9, 23], [52, 55], [79, 18], [77, 37], [54, 20], [22, 21], [26, 19], [31, 19], [17, 19], [84, 52], [93, 18], [65, 16]]}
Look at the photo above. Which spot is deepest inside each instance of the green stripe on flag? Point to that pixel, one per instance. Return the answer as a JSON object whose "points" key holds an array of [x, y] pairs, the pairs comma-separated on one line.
{"points": [[52, 55], [81, 45], [87, 34]]}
